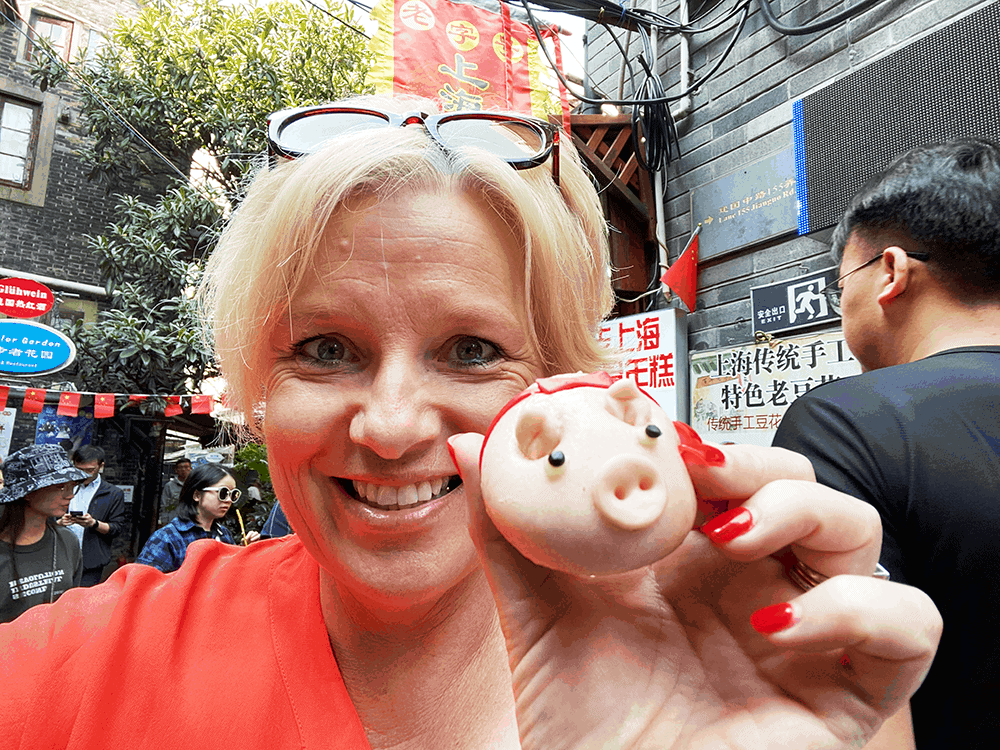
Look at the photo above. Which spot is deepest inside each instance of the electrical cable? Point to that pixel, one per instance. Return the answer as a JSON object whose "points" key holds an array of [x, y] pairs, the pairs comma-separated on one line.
{"points": [[321, 9], [772, 20]]}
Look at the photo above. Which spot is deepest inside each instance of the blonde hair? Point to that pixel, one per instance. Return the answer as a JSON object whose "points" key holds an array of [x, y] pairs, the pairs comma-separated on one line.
{"points": [[271, 242]]}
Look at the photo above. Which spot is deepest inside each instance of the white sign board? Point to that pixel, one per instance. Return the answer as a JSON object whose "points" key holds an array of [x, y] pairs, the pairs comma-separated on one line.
{"points": [[739, 394], [649, 342], [6, 430]]}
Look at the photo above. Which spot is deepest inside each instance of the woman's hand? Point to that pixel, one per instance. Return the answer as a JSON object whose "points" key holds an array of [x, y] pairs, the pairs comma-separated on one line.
{"points": [[250, 537], [668, 656]]}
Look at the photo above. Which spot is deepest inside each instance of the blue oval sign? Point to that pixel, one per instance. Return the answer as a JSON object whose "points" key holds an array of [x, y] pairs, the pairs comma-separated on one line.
{"points": [[33, 349]]}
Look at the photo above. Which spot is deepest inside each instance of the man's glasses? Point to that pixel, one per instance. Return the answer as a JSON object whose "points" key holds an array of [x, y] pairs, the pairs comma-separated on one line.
{"points": [[520, 140], [224, 493], [833, 290]]}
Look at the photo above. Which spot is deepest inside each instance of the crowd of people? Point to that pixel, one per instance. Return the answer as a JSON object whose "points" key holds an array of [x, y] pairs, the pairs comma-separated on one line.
{"points": [[390, 281]]}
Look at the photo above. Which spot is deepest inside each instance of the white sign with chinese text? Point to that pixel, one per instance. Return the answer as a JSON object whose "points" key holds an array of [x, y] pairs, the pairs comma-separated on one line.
{"points": [[649, 341], [740, 394], [6, 430]]}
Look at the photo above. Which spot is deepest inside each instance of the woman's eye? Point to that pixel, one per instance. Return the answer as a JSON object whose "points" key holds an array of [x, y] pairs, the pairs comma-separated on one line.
{"points": [[327, 349], [470, 351]]}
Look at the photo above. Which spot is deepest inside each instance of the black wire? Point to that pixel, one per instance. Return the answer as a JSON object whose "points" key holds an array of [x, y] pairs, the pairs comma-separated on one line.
{"points": [[338, 18], [772, 20]]}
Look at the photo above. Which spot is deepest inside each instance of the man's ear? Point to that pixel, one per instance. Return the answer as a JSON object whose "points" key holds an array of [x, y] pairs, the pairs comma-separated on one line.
{"points": [[895, 268]]}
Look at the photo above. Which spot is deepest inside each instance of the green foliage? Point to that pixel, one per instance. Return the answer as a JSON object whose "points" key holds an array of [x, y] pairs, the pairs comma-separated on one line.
{"points": [[253, 457], [192, 78]]}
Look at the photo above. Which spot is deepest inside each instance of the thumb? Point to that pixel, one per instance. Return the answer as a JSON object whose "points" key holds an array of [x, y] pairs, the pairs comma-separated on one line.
{"points": [[465, 449]]}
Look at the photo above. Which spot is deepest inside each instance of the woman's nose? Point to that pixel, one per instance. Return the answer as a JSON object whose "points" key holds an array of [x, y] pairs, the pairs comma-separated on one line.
{"points": [[397, 414]]}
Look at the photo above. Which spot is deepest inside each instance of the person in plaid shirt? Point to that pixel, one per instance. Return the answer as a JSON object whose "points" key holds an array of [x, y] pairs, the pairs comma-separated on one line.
{"points": [[207, 495]]}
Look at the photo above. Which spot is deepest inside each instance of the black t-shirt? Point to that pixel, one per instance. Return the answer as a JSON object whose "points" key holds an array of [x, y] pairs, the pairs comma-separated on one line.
{"points": [[45, 570], [921, 442]]}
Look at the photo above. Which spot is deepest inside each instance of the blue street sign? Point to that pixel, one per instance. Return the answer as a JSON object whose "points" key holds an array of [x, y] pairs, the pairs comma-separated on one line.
{"points": [[29, 349]]}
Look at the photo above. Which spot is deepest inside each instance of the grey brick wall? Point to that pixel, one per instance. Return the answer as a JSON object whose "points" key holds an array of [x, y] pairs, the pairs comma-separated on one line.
{"points": [[50, 239], [744, 113]]}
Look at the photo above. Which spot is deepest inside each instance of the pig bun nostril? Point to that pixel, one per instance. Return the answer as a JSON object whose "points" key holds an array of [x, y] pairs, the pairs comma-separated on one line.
{"points": [[645, 484]]}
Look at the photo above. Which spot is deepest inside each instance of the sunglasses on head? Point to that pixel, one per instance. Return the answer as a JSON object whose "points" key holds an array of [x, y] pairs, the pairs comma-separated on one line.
{"points": [[224, 493], [520, 140]]}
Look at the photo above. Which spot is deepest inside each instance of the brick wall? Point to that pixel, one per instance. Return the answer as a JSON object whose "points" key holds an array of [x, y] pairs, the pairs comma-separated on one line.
{"points": [[744, 113], [50, 239]]}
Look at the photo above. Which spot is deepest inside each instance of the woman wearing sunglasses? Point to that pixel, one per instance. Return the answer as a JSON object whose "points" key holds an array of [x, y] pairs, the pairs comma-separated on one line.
{"points": [[206, 496], [388, 284]]}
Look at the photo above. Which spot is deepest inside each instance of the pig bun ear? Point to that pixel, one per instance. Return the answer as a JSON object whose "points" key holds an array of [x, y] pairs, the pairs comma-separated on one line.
{"points": [[537, 433], [625, 401]]}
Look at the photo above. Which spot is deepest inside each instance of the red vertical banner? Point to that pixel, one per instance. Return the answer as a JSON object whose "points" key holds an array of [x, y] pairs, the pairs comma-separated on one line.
{"points": [[464, 56], [4, 393], [69, 404], [173, 407], [34, 400], [104, 405]]}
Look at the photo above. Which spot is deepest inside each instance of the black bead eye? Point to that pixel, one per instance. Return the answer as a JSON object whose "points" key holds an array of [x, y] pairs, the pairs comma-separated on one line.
{"points": [[653, 431], [557, 458]]}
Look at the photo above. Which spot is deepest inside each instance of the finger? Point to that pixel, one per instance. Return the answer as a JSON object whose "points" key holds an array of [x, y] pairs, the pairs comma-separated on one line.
{"points": [[516, 581], [747, 469], [879, 636], [828, 530]]}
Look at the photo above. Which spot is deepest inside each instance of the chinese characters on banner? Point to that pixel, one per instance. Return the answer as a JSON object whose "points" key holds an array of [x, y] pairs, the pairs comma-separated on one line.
{"points": [[466, 57], [740, 394], [650, 341]]}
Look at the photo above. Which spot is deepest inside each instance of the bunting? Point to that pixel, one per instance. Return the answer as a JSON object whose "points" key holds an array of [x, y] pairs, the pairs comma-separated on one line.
{"points": [[34, 400], [173, 407], [105, 403], [69, 404]]}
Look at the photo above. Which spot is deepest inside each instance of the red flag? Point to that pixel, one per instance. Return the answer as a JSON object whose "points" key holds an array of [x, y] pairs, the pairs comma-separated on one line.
{"points": [[104, 405], [201, 404], [69, 404], [34, 400], [4, 392], [682, 276], [173, 406]]}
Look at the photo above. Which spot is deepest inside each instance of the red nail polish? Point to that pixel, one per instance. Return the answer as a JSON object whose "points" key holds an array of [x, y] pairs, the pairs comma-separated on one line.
{"points": [[729, 525], [773, 619], [451, 452]]}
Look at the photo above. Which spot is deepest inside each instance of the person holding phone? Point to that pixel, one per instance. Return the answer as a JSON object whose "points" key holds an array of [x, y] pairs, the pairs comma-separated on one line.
{"points": [[39, 560], [206, 496]]}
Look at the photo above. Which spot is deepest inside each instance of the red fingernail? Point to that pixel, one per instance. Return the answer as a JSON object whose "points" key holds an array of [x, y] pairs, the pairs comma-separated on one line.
{"points": [[773, 619], [454, 460], [729, 525]]}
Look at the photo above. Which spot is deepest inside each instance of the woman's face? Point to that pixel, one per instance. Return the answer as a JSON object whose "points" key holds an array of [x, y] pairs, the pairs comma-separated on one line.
{"points": [[210, 506], [412, 328], [51, 501]]}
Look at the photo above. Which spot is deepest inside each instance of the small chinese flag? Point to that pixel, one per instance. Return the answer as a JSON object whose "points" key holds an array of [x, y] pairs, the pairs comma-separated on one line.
{"points": [[136, 398], [4, 392], [201, 404], [682, 276], [104, 405], [69, 404], [173, 406], [34, 400]]}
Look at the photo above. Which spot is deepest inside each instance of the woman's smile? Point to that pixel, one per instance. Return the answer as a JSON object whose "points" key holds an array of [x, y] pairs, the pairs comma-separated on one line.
{"points": [[390, 497]]}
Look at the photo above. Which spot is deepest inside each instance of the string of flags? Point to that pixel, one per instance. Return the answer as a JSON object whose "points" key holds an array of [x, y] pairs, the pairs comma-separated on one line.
{"points": [[105, 403]]}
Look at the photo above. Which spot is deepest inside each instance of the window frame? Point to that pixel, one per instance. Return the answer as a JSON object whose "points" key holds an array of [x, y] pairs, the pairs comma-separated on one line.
{"points": [[34, 17], [32, 154]]}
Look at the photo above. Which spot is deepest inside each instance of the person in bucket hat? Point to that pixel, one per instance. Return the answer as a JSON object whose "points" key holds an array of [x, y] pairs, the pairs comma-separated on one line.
{"points": [[39, 560]]}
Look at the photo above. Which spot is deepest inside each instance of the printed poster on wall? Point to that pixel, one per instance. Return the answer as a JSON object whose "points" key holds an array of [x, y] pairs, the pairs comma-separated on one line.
{"points": [[6, 430], [739, 394], [650, 342], [69, 432]]}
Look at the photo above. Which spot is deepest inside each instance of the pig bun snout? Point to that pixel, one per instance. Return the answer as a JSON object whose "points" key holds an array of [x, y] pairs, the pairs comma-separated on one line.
{"points": [[630, 492]]}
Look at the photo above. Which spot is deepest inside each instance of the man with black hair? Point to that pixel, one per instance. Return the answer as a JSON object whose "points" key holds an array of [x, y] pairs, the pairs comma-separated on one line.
{"points": [[918, 433], [96, 513]]}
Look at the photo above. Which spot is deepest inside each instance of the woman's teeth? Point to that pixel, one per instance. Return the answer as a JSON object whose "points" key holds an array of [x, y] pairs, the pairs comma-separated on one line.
{"points": [[411, 494]]}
